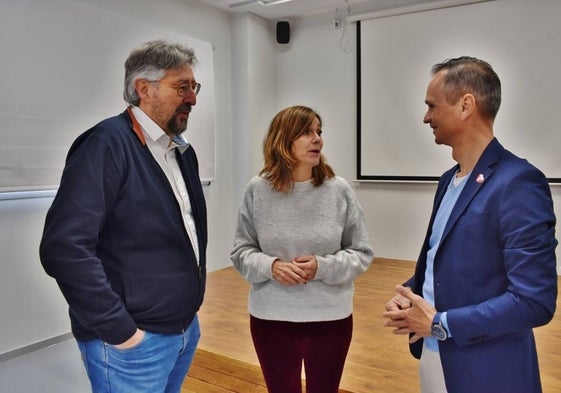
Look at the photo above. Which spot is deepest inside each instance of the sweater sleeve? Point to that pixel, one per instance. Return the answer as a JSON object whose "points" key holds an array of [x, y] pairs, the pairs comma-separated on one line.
{"points": [[88, 188], [247, 257], [355, 255]]}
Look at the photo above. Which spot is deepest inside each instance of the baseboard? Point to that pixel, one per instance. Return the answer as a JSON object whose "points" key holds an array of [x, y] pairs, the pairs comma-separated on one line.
{"points": [[34, 347]]}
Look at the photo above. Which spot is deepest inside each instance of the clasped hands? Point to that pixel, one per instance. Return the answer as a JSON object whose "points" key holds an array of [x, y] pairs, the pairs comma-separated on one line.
{"points": [[298, 271], [409, 313]]}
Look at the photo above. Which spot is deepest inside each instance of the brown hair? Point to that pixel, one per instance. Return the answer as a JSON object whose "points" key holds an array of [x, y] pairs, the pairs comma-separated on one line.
{"points": [[287, 126], [471, 75]]}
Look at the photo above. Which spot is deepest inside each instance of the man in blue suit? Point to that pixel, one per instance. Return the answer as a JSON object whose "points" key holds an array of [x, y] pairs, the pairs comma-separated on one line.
{"points": [[486, 274]]}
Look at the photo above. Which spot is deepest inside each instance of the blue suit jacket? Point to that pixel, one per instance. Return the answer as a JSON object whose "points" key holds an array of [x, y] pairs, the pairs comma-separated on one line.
{"points": [[495, 275]]}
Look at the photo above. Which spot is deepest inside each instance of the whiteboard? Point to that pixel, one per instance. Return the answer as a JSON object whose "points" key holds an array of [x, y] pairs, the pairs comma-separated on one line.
{"points": [[520, 39], [65, 73]]}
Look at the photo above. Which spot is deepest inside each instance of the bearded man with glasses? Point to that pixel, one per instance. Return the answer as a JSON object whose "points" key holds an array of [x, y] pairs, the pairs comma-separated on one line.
{"points": [[126, 235]]}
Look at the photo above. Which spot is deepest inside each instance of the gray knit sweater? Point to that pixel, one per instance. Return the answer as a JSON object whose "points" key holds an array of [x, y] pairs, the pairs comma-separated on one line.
{"points": [[325, 221]]}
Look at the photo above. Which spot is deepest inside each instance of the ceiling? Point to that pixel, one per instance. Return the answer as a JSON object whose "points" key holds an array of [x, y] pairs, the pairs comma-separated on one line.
{"points": [[283, 9]]}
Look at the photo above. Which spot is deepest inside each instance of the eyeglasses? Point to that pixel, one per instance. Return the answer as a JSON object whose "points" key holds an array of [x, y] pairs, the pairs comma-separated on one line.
{"points": [[184, 88]]}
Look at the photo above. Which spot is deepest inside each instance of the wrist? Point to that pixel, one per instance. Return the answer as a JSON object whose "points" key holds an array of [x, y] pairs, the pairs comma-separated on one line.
{"points": [[132, 341], [438, 330]]}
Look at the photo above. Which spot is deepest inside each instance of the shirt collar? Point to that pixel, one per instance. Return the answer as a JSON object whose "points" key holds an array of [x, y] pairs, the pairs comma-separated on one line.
{"points": [[154, 132]]}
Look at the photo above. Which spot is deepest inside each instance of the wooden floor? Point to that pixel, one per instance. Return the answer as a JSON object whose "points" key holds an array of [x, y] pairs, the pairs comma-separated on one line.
{"points": [[377, 361]]}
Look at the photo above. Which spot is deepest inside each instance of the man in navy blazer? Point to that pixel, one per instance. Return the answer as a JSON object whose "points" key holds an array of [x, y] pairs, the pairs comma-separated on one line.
{"points": [[486, 274]]}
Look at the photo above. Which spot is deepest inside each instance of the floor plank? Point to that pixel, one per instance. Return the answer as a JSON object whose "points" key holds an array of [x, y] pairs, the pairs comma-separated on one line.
{"points": [[377, 361]]}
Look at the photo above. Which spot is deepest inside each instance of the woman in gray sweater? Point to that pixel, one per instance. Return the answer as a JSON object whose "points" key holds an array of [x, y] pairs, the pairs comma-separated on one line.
{"points": [[301, 240]]}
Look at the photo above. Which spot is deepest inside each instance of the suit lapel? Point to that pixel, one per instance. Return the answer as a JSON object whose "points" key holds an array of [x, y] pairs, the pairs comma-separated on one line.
{"points": [[480, 174], [440, 191]]}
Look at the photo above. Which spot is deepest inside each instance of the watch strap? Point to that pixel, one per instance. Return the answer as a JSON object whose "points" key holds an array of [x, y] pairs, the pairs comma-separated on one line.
{"points": [[437, 318]]}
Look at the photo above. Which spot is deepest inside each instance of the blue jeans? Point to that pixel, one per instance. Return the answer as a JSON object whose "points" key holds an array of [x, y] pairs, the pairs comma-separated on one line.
{"points": [[158, 364]]}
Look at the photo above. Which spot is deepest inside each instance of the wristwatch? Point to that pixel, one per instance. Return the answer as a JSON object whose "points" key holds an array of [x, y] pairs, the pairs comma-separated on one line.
{"points": [[437, 330]]}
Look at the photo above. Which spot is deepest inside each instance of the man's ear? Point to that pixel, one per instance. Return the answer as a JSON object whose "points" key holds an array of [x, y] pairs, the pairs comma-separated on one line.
{"points": [[468, 105], [142, 87]]}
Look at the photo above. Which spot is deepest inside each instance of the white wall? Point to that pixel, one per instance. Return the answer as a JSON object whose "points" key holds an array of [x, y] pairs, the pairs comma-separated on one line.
{"points": [[254, 77], [33, 310], [31, 305], [318, 68], [313, 70], [254, 95]]}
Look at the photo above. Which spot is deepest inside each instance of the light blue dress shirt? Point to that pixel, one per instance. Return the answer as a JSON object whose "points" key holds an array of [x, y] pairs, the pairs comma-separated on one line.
{"points": [[442, 215]]}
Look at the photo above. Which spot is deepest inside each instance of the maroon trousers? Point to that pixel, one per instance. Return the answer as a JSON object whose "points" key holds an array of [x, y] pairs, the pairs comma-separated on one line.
{"points": [[282, 346]]}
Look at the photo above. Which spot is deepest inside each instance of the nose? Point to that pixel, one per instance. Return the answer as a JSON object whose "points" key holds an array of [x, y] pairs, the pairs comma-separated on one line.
{"points": [[190, 98], [426, 119]]}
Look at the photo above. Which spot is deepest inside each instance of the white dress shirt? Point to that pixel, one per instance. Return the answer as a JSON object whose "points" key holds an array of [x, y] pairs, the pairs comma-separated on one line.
{"points": [[163, 149]]}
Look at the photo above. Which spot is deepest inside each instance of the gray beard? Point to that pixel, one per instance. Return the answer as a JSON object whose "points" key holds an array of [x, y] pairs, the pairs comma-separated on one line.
{"points": [[176, 127]]}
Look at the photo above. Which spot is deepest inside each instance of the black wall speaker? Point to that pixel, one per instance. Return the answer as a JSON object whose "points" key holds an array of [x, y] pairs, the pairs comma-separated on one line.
{"points": [[283, 32]]}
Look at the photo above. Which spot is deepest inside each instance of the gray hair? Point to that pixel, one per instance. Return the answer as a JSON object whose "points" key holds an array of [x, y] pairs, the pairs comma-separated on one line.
{"points": [[150, 61]]}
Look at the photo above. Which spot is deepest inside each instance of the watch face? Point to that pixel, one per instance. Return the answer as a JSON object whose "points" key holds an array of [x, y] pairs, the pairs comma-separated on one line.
{"points": [[439, 333]]}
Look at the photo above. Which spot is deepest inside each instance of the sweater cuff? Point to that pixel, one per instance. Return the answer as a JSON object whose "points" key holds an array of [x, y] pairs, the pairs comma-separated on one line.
{"points": [[320, 271], [268, 267], [125, 330]]}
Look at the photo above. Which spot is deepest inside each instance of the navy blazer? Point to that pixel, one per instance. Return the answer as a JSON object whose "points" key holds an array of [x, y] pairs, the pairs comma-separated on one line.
{"points": [[495, 274]]}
